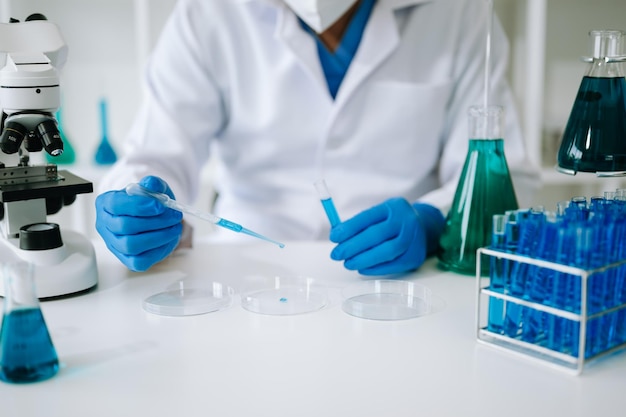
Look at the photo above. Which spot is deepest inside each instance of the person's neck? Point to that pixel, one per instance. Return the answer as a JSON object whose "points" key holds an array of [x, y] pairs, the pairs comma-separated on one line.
{"points": [[331, 37]]}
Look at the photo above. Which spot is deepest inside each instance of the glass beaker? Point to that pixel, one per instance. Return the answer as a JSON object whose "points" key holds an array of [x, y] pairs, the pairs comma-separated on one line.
{"points": [[484, 189], [594, 139], [26, 350]]}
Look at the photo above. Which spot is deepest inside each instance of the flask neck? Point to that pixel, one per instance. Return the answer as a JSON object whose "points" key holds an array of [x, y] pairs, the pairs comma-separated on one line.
{"points": [[486, 122], [607, 53], [602, 68], [19, 286]]}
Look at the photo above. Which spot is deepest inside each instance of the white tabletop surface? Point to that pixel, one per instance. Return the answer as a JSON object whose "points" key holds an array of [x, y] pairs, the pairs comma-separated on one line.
{"points": [[118, 360]]}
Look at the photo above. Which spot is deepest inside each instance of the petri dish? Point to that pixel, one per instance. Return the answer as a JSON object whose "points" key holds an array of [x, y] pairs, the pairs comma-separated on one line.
{"points": [[282, 296], [386, 300], [189, 298]]}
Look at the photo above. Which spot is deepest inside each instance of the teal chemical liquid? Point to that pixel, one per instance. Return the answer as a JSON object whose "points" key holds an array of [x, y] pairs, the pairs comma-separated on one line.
{"points": [[485, 188], [595, 136], [26, 350]]}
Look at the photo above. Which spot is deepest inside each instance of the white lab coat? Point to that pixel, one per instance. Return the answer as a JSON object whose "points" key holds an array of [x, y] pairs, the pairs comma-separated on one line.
{"points": [[241, 80]]}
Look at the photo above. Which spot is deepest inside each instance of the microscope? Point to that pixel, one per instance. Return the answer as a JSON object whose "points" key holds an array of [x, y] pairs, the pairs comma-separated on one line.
{"points": [[64, 261]]}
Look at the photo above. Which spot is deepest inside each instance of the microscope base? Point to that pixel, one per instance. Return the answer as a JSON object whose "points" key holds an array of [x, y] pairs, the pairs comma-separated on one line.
{"points": [[76, 272]]}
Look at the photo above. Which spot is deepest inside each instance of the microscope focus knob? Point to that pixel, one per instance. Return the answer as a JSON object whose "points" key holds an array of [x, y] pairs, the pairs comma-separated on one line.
{"points": [[40, 236]]}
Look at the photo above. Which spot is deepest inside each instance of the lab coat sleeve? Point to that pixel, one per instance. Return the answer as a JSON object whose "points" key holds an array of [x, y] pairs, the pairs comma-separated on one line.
{"points": [[469, 76], [182, 109]]}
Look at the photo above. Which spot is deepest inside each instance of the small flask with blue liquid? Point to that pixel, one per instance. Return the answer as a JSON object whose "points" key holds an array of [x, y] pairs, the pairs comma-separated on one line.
{"points": [[26, 350], [105, 154]]}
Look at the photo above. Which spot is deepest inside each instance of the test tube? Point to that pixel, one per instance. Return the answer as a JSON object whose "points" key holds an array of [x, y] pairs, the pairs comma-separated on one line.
{"points": [[529, 228], [540, 281], [497, 273], [327, 202]]}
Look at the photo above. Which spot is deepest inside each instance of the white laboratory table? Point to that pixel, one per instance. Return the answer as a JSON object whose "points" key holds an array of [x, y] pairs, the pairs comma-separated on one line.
{"points": [[118, 360]]}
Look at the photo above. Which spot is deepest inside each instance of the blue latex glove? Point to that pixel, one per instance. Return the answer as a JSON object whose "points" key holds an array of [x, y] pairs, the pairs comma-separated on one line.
{"points": [[390, 238], [139, 230]]}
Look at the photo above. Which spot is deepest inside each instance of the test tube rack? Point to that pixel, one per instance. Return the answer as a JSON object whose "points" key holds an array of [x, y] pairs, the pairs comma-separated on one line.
{"points": [[562, 337]]}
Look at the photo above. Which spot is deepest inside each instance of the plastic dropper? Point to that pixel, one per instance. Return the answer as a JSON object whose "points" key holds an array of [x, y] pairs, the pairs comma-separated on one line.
{"points": [[136, 189]]}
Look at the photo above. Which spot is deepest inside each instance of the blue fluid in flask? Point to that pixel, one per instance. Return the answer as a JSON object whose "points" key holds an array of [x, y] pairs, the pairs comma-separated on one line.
{"points": [[105, 154], [593, 139], [26, 350]]}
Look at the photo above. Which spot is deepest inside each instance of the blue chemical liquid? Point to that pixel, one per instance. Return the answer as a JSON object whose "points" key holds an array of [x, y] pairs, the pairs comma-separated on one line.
{"points": [[484, 189], [105, 155], [540, 283], [594, 136], [26, 350], [331, 212]]}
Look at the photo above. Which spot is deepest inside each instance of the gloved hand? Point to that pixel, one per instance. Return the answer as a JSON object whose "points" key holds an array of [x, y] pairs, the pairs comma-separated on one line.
{"points": [[392, 237], [139, 230]]}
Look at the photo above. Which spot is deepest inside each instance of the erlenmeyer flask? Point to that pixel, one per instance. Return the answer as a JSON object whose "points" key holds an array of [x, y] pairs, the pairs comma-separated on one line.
{"points": [[485, 188], [26, 350], [594, 139]]}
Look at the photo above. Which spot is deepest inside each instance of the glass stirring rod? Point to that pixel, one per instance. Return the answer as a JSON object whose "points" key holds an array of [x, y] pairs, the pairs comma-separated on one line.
{"points": [[327, 202], [136, 189]]}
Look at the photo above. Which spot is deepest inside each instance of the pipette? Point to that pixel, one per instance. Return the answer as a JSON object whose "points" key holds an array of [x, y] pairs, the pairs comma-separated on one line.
{"points": [[327, 202], [136, 189]]}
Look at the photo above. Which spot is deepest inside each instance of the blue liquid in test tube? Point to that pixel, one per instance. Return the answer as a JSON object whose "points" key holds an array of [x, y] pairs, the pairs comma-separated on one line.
{"points": [[327, 203], [497, 274], [529, 223]]}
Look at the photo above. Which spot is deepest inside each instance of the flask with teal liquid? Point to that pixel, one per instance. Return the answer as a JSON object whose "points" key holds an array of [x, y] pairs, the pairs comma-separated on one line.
{"points": [[484, 189], [594, 139]]}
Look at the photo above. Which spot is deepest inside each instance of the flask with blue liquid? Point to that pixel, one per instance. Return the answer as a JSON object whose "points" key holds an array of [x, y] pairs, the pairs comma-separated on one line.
{"points": [[594, 137], [26, 350], [105, 154]]}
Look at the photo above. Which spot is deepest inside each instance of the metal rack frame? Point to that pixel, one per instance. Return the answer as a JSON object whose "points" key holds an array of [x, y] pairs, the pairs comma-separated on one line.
{"points": [[562, 361]]}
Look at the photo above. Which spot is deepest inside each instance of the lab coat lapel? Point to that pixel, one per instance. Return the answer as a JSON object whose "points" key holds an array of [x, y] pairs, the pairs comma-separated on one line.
{"points": [[379, 40], [301, 44]]}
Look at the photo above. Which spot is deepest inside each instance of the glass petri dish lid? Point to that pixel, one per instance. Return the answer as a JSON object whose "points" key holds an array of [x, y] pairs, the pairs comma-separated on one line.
{"points": [[189, 297], [386, 300], [281, 296]]}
